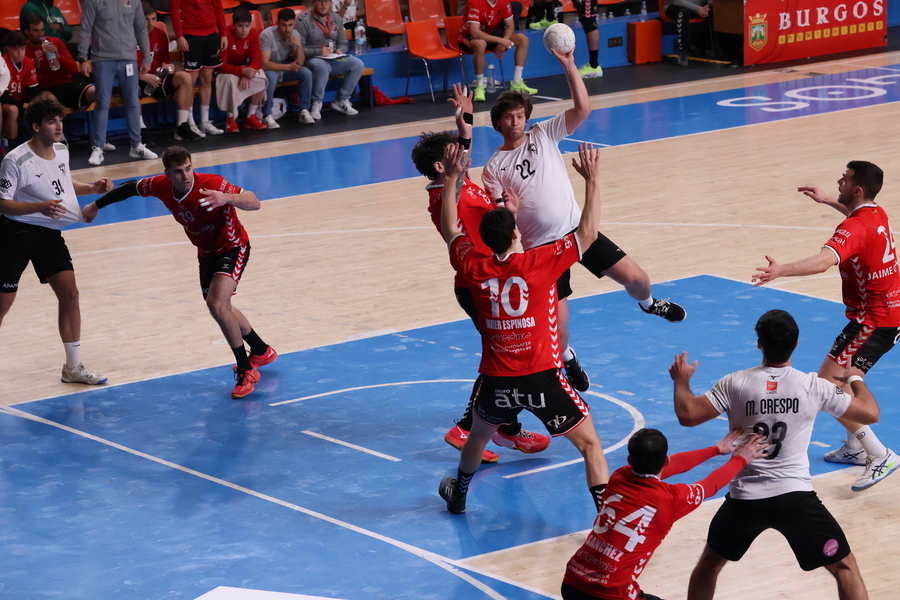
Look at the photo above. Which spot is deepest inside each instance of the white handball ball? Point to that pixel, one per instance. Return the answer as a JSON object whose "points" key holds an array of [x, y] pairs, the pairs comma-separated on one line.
{"points": [[559, 37]]}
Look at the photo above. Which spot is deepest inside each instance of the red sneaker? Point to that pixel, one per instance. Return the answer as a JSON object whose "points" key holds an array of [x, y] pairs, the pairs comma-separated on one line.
{"points": [[265, 358], [252, 122], [245, 381], [231, 125], [526, 441], [457, 437]]}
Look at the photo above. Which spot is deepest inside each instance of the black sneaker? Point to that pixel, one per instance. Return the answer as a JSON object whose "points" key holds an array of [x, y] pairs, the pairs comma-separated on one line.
{"points": [[456, 502], [667, 310], [576, 375], [683, 59], [184, 133]]}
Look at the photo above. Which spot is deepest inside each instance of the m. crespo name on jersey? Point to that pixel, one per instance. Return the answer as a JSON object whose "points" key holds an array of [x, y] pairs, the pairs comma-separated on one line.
{"points": [[773, 406], [500, 324]]}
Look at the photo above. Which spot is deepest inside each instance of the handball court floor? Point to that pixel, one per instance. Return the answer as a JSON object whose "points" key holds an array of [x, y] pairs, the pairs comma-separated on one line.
{"points": [[323, 482]]}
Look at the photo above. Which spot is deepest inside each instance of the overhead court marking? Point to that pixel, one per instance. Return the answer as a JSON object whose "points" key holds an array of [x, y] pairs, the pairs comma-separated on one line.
{"points": [[369, 387], [349, 445]]}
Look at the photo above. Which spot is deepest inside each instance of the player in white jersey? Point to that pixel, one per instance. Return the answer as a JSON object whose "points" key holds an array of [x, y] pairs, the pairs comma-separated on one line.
{"points": [[779, 402], [529, 165], [38, 199]]}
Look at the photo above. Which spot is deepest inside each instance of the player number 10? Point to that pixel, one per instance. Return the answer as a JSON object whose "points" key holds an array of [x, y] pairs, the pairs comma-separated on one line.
{"points": [[498, 297]]}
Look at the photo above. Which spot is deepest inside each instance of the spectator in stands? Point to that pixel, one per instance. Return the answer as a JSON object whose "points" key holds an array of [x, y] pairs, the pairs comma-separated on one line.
{"points": [[111, 31], [162, 81], [281, 53], [490, 27], [200, 32], [325, 45], [65, 82], [346, 10], [682, 11], [23, 84], [4, 84], [241, 76], [57, 25]]}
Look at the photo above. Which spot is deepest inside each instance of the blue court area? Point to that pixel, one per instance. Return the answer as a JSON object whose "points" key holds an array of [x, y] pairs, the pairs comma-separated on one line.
{"points": [[324, 481], [376, 162]]}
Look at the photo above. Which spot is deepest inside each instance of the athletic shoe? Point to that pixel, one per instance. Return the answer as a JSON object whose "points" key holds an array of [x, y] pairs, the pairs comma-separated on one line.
{"points": [[538, 25], [683, 59], [667, 310], [846, 456], [456, 502], [589, 72], [184, 133], [305, 117], [576, 375], [525, 441], [260, 360], [479, 93], [345, 107], [316, 110], [270, 122], [210, 129], [522, 88], [107, 147], [245, 381], [877, 468], [457, 437], [231, 125], [81, 374], [142, 152], [253, 122], [196, 130], [96, 158]]}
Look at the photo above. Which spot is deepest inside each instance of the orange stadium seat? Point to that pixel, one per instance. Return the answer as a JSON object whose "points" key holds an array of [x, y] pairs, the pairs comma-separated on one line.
{"points": [[9, 14], [71, 10], [384, 15], [427, 10], [424, 42]]}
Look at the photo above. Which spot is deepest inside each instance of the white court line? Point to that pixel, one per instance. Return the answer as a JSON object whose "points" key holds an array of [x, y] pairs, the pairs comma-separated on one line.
{"points": [[550, 98], [598, 144], [349, 445], [638, 424], [369, 387], [449, 565]]}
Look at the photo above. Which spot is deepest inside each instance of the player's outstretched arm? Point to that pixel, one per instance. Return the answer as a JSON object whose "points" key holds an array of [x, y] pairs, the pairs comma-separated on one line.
{"points": [[455, 162], [817, 194], [462, 100], [123, 192], [576, 115], [682, 462], [588, 166], [746, 453], [101, 186], [812, 265], [691, 410], [49, 208], [246, 200]]}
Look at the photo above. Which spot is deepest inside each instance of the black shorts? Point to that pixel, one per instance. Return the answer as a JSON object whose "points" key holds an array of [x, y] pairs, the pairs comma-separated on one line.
{"points": [[861, 345], [21, 243], [231, 263], [603, 254], [8, 99], [203, 51], [813, 534], [465, 301], [546, 394], [465, 45], [586, 8], [71, 95], [164, 91]]}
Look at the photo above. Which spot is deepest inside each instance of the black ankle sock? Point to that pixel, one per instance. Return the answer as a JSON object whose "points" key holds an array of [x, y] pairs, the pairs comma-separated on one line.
{"points": [[597, 494], [513, 428], [240, 355], [462, 481], [257, 346], [594, 58]]}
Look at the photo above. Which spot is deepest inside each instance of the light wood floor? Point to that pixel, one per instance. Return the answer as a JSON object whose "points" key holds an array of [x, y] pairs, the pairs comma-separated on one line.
{"points": [[335, 266]]}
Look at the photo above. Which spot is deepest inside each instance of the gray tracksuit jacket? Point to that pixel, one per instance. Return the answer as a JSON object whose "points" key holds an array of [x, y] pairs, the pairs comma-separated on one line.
{"points": [[113, 29]]}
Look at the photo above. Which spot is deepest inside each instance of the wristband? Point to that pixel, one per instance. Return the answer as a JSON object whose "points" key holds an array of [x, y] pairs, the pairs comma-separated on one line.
{"points": [[468, 118], [465, 142], [853, 378]]}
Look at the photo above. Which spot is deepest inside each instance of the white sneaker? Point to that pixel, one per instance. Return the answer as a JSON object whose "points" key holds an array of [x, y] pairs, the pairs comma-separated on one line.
{"points": [[345, 107], [196, 130], [142, 152], [305, 117], [847, 456], [107, 147], [270, 122], [316, 110], [81, 374], [208, 127], [877, 468], [96, 158]]}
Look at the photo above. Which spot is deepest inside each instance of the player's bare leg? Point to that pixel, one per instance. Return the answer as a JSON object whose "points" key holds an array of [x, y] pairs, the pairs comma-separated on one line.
{"points": [[584, 438], [574, 373], [454, 489], [849, 581], [69, 319], [231, 320], [6, 302], [636, 282], [702, 585]]}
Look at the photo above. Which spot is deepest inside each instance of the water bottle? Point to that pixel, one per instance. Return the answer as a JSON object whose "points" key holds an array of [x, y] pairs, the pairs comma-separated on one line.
{"points": [[627, 12], [602, 18], [360, 36], [50, 53], [609, 16], [644, 11], [491, 82]]}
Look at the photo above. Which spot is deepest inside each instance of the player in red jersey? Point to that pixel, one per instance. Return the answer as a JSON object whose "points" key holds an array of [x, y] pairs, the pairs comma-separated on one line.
{"points": [[241, 76], [638, 509], [23, 84], [65, 82], [472, 205], [205, 205], [863, 248], [515, 296]]}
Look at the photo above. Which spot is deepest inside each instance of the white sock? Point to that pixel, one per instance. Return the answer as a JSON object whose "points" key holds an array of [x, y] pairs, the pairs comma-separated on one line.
{"points": [[646, 303], [252, 110], [73, 354], [183, 116], [869, 441], [190, 118], [143, 126], [479, 80], [204, 114], [517, 73], [229, 115], [569, 354]]}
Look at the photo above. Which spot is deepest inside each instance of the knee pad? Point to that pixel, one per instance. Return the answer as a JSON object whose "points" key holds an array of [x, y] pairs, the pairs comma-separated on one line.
{"points": [[588, 23]]}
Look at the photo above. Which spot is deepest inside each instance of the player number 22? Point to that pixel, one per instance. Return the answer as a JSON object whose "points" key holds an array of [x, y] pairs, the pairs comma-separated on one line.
{"points": [[499, 297], [524, 169], [631, 526]]}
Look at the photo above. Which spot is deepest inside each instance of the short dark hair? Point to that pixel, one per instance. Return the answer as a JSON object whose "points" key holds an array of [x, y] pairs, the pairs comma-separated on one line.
{"points": [[778, 333], [174, 156], [44, 107], [242, 15], [286, 14], [15, 39], [647, 451], [509, 100], [868, 176], [496, 229], [429, 150], [30, 19], [148, 7]]}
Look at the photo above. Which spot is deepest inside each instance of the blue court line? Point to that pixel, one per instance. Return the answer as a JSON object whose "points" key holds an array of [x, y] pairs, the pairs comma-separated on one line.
{"points": [[83, 519], [365, 164]]}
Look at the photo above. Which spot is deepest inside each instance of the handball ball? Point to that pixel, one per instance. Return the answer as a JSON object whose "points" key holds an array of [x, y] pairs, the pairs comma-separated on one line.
{"points": [[559, 37]]}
